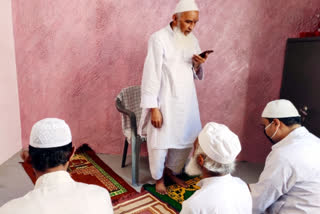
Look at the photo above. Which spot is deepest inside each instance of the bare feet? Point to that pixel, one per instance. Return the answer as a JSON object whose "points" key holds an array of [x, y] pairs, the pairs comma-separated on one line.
{"points": [[160, 187], [175, 179]]}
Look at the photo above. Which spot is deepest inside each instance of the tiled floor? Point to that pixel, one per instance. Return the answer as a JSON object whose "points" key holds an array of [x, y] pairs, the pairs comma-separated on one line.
{"points": [[14, 182]]}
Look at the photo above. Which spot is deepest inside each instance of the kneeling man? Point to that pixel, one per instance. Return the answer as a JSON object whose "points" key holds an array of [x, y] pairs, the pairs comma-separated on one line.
{"points": [[290, 180], [214, 155], [50, 152]]}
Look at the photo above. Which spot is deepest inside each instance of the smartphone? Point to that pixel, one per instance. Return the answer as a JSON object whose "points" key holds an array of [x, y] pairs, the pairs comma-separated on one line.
{"points": [[203, 54]]}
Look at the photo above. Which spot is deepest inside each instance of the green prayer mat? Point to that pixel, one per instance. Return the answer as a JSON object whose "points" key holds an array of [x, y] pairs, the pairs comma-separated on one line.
{"points": [[176, 194]]}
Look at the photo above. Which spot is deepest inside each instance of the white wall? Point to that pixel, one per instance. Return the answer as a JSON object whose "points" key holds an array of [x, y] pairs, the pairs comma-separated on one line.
{"points": [[10, 128]]}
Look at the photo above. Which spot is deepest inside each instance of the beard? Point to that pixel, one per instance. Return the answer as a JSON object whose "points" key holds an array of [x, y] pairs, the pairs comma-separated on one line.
{"points": [[192, 168], [183, 41]]}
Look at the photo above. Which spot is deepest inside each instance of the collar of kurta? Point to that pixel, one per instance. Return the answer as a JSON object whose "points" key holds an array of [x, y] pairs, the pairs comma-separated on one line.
{"points": [[210, 180], [288, 139], [169, 29], [53, 178]]}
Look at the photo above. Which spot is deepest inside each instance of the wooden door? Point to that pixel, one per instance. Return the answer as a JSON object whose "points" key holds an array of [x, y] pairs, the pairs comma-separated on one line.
{"points": [[301, 79]]}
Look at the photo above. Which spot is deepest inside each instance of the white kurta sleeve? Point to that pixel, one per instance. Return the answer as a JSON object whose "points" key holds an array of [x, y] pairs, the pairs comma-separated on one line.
{"points": [[187, 208], [276, 180], [109, 206], [200, 74], [103, 202], [151, 78]]}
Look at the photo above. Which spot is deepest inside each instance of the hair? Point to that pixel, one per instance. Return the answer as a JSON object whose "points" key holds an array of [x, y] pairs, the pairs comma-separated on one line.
{"points": [[43, 159], [218, 168], [288, 121], [214, 166]]}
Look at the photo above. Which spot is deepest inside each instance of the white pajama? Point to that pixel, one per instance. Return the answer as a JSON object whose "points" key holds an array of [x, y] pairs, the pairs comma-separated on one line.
{"points": [[173, 159]]}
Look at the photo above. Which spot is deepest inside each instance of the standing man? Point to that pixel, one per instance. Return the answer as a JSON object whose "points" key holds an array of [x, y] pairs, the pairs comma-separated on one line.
{"points": [[50, 151], [168, 94], [290, 181], [215, 152]]}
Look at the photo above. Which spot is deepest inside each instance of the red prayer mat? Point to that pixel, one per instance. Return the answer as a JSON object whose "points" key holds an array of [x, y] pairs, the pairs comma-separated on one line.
{"points": [[87, 167]]}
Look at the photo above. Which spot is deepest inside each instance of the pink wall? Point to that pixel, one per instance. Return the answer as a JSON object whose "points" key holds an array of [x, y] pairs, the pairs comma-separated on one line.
{"points": [[73, 57], [10, 130]]}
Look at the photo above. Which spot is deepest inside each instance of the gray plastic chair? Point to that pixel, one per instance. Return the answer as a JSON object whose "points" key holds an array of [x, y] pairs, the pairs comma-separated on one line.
{"points": [[128, 104]]}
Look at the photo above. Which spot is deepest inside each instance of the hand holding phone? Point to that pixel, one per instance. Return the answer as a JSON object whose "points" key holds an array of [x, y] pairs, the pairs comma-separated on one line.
{"points": [[204, 53]]}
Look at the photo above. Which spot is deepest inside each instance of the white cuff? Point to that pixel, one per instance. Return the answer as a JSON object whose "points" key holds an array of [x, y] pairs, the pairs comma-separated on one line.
{"points": [[198, 76], [149, 101]]}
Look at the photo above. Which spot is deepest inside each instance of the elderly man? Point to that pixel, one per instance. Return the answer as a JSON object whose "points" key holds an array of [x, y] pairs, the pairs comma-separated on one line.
{"points": [[50, 151], [290, 181], [213, 158], [168, 95]]}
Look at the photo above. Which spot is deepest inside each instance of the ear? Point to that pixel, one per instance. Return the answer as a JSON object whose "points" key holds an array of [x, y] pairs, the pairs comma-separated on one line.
{"points": [[195, 145], [175, 19], [277, 122], [26, 156], [200, 160]]}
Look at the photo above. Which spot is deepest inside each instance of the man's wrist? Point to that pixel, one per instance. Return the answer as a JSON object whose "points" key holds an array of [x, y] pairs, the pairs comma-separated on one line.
{"points": [[154, 109], [196, 68]]}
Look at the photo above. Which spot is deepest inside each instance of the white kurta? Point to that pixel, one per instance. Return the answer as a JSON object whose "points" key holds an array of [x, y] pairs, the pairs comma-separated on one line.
{"points": [[168, 84], [219, 195], [290, 181], [57, 192]]}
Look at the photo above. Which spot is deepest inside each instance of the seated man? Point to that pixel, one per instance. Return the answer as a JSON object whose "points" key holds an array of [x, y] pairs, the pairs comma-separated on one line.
{"points": [[214, 155], [290, 181], [50, 151]]}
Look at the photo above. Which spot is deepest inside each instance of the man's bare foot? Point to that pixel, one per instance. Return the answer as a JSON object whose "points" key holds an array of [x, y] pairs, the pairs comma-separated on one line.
{"points": [[178, 181], [160, 187], [175, 179]]}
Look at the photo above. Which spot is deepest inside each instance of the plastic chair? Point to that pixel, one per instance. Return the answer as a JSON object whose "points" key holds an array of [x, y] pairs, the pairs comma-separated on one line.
{"points": [[128, 104]]}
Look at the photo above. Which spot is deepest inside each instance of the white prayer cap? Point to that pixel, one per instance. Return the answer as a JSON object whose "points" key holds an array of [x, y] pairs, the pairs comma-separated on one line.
{"points": [[219, 143], [186, 5], [50, 133], [280, 109]]}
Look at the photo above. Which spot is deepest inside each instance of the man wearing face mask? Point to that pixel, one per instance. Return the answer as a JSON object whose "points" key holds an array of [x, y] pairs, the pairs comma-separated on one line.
{"points": [[290, 181], [214, 158]]}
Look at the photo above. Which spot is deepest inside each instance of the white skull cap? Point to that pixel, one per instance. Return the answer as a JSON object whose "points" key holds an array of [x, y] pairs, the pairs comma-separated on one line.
{"points": [[219, 143], [280, 109], [50, 133], [186, 5]]}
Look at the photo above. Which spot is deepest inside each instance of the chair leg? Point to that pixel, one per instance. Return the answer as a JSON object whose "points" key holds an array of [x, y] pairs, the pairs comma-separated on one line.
{"points": [[124, 156], [136, 143]]}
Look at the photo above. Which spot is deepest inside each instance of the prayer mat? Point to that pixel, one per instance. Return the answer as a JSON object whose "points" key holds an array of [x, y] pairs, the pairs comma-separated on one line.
{"points": [[176, 194], [144, 203], [86, 167]]}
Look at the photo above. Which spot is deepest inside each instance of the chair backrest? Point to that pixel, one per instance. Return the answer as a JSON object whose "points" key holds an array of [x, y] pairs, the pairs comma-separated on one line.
{"points": [[130, 98]]}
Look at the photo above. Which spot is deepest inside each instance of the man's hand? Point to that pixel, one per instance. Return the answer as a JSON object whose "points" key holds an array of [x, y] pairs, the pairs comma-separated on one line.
{"points": [[198, 60], [156, 118]]}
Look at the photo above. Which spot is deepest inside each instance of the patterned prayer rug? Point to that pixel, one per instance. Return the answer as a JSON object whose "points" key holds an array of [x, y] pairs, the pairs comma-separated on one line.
{"points": [[176, 194], [87, 167], [144, 203]]}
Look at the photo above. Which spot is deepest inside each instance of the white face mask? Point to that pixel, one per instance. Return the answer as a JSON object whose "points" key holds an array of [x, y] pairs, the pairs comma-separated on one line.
{"points": [[274, 132]]}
